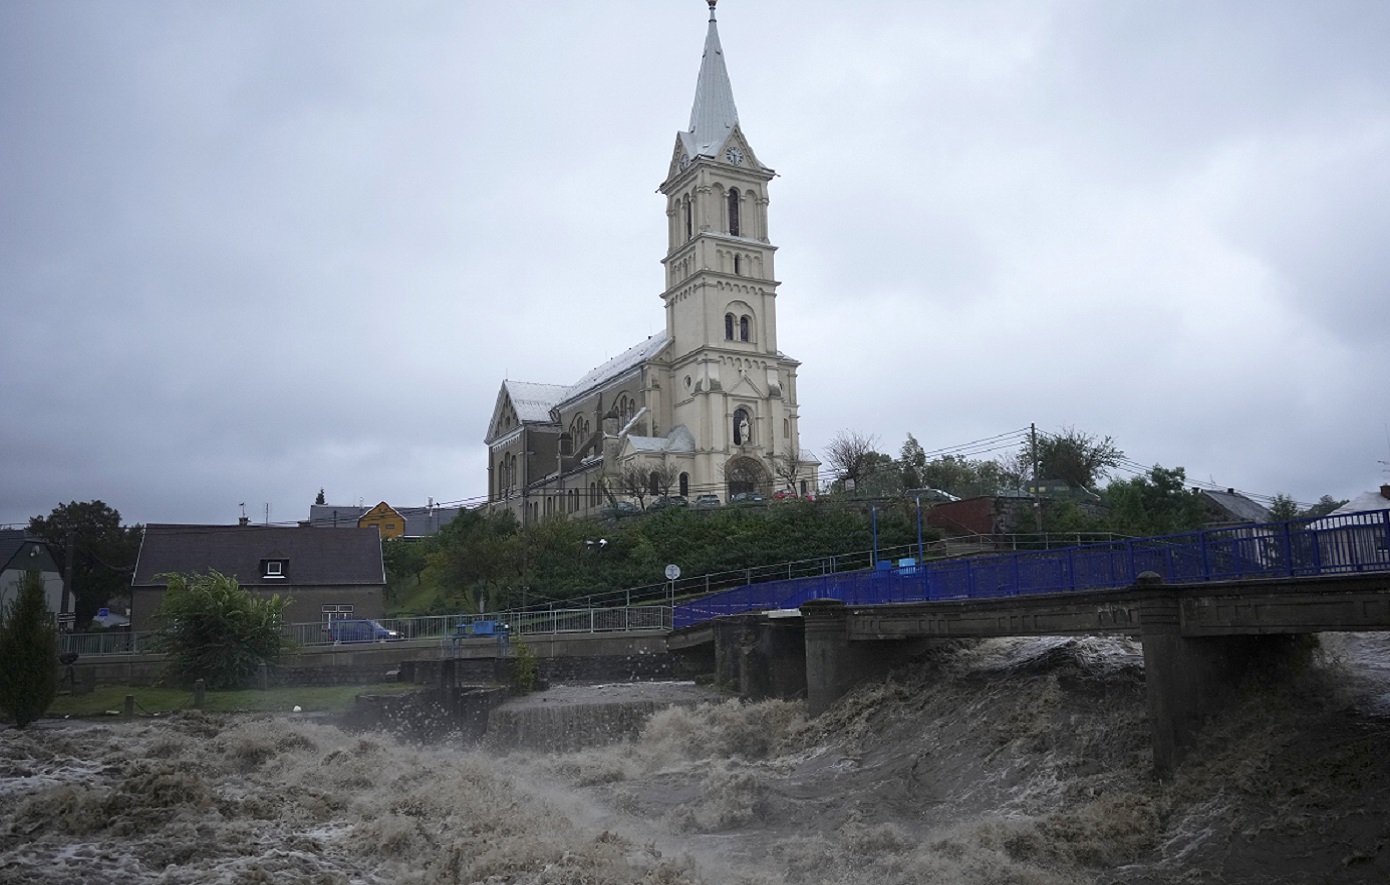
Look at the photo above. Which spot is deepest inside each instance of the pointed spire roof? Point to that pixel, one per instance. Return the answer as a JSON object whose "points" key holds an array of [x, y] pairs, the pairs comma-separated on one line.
{"points": [[713, 115]]}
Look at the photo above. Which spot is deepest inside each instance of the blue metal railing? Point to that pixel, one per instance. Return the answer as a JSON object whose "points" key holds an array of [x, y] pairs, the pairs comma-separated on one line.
{"points": [[1328, 545]]}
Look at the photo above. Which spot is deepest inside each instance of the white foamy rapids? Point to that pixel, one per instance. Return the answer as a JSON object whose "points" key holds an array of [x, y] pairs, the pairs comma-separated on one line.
{"points": [[1011, 761]]}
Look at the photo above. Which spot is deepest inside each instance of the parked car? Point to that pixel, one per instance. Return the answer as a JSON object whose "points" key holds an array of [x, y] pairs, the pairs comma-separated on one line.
{"points": [[707, 502], [365, 630], [665, 502], [784, 495], [747, 498], [619, 509]]}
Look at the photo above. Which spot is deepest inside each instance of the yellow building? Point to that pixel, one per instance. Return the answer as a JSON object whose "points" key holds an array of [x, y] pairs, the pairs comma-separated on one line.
{"points": [[385, 518]]}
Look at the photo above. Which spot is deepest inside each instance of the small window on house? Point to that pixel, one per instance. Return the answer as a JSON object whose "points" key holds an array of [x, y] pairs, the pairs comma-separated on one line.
{"points": [[332, 613], [273, 568], [728, 327], [743, 324]]}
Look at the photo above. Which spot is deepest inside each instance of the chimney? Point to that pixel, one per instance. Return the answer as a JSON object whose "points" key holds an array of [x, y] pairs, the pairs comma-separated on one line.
{"points": [[245, 520], [1230, 491], [1385, 492]]}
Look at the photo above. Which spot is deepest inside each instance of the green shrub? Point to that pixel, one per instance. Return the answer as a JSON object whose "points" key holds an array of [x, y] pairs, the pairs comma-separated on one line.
{"points": [[216, 631], [28, 654]]}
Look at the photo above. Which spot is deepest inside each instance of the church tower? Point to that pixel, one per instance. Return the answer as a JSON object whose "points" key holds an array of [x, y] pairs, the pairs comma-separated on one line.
{"points": [[706, 408], [730, 383]]}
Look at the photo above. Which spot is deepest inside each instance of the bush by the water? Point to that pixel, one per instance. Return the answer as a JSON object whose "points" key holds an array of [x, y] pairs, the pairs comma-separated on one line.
{"points": [[28, 654], [216, 631]]}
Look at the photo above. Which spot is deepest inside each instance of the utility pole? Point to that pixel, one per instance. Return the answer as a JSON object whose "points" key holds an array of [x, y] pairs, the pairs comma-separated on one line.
{"points": [[1037, 504]]}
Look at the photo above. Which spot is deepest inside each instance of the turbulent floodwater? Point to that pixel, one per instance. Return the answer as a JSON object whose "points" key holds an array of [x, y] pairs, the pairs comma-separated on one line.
{"points": [[1011, 761]]}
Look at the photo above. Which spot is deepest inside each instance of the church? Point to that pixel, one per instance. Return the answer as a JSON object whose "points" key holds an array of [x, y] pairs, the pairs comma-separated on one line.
{"points": [[706, 407]]}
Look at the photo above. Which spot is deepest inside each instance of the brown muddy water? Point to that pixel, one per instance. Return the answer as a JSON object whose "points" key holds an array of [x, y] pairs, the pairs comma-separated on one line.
{"points": [[1011, 761]]}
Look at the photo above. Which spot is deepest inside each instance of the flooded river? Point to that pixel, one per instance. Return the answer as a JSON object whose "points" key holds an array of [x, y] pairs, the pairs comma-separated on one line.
{"points": [[1008, 761]]}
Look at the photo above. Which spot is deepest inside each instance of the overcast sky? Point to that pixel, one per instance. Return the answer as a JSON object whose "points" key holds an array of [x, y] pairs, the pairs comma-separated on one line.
{"points": [[249, 250]]}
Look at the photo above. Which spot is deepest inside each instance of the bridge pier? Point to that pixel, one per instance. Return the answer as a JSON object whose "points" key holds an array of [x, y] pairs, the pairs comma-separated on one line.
{"points": [[760, 656], [834, 664], [1189, 678]]}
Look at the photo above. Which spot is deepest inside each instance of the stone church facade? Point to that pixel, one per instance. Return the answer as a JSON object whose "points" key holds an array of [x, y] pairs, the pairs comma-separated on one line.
{"points": [[709, 406]]}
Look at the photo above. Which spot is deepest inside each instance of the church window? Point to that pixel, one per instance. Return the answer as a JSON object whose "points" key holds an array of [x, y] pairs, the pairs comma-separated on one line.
{"points": [[737, 264], [654, 483], [743, 433], [685, 485], [593, 494], [728, 327], [689, 226], [786, 428], [743, 324], [733, 211]]}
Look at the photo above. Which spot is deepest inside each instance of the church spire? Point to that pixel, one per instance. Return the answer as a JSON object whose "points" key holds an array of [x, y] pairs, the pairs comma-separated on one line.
{"points": [[713, 115]]}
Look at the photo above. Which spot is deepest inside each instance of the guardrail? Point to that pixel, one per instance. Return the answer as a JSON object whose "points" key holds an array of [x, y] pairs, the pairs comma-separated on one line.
{"points": [[432, 627], [1357, 542]]}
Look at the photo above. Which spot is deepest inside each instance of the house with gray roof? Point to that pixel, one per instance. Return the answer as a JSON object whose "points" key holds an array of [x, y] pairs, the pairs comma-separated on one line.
{"points": [[327, 574], [19, 554]]}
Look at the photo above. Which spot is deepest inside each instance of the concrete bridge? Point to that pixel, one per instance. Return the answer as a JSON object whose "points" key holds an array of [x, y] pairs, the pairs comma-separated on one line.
{"points": [[1199, 640]]}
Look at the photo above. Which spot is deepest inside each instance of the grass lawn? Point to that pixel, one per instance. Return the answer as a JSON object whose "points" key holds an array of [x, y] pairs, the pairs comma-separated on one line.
{"points": [[318, 699]]}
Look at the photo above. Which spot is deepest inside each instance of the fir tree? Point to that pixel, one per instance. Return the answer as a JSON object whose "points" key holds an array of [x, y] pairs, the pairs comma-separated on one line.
{"points": [[28, 654]]}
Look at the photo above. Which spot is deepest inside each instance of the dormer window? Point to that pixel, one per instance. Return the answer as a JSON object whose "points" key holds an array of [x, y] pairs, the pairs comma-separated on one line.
{"points": [[274, 569]]}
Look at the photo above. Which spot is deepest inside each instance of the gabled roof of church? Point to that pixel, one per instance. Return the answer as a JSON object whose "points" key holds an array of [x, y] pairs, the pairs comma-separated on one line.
{"points": [[623, 362], [713, 116], [533, 402]]}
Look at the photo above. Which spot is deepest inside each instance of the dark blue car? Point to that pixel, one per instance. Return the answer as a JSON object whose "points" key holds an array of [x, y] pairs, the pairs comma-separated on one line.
{"points": [[364, 630]]}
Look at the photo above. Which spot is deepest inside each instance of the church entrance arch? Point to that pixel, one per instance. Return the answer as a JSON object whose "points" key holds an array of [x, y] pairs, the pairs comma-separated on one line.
{"points": [[746, 476]]}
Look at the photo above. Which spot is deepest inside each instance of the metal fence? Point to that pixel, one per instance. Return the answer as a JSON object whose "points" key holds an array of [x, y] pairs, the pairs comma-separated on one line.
{"points": [[433, 627], [1357, 542]]}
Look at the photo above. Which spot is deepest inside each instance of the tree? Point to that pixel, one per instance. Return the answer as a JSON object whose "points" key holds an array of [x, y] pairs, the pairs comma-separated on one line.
{"points": [[28, 654], [1075, 457], [103, 554], [852, 456], [913, 460], [787, 468], [1326, 504], [319, 498], [216, 631], [635, 480], [1283, 508], [1159, 503]]}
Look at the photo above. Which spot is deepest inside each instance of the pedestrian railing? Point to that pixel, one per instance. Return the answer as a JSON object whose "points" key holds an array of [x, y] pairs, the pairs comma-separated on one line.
{"points": [[1348, 544]]}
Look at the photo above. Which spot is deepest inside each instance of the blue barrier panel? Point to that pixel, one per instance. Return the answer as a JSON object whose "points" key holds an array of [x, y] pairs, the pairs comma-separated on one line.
{"points": [[1298, 548]]}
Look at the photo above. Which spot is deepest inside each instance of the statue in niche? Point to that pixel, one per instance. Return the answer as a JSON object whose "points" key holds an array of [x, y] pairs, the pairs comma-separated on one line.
{"points": [[742, 432]]}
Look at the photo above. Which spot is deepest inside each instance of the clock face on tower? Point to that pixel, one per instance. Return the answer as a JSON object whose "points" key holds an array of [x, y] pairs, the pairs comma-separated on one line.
{"points": [[685, 161], [734, 155]]}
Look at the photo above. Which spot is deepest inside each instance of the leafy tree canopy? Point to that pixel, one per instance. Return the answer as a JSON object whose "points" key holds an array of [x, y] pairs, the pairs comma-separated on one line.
{"points": [[217, 631], [103, 554], [1073, 456], [28, 654]]}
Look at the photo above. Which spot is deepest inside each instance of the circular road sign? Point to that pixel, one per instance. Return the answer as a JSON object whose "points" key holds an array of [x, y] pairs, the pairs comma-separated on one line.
{"points": [[673, 571]]}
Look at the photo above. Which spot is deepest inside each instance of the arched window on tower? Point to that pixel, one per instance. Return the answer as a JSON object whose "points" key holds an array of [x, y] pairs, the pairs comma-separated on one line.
{"points": [[743, 429], [733, 211], [728, 327], [689, 225], [744, 322], [738, 263]]}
